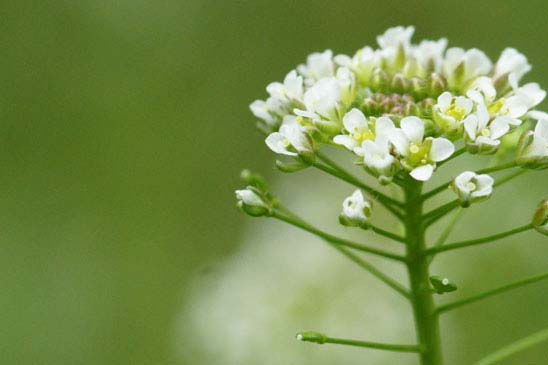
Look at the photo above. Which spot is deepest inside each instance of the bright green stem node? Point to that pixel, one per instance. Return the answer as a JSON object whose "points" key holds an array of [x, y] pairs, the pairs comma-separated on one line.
{"points": [[424, 310], [320, 338]]}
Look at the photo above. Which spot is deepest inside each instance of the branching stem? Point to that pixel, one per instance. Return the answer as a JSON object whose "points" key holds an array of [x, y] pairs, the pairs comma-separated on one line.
{"points": [[478, 241], [489, 293]]}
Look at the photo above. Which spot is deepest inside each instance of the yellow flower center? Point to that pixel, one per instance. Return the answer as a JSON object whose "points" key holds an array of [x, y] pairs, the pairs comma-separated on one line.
{"points": [[414, 148], [485, 132], [496, 107], [456, 112], [471, 186], [361, 136]]}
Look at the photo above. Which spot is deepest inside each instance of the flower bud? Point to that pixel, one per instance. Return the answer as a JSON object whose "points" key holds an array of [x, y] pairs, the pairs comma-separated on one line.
{"points": [[254, 180], [442, 285], [370, 106], [399, 84], [532, 151], [309, 336], [540, 219], [251, 201], [437, 84], [379, 80], [418, 87], [291, 166], [356, 211], [471, 187]]}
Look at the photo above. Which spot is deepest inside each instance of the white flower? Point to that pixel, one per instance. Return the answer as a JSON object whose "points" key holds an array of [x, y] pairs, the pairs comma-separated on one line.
{"points": [[533, 147], [356, 125], [396, 37], [347, 83], [290, 90], [450, 112], [471, 187], [482, 136], [356, 210], [395, 45], [429, 56], [511, 62], [525, 97], [419, 154], [362, 64], [318, 66], [250, 198], [482, 90], [291, 140], [462, 66], [262, 110], [322, 100]]}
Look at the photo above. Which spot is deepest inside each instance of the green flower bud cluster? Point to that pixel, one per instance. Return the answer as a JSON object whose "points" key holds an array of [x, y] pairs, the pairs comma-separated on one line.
{"points": [[420, 88], [396, 106]]}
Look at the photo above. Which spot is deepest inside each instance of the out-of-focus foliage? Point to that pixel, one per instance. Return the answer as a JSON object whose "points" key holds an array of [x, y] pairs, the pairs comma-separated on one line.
{"points": [[123, 126]]}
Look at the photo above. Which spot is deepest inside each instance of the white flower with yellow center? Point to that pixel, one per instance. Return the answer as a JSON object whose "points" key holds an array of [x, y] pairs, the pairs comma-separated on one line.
{"points": [[419, 154], [358, 129], [290, 90], [482, 135], [471, 187], [376, 153], [395, 45], [426, 58], [449, 112]]}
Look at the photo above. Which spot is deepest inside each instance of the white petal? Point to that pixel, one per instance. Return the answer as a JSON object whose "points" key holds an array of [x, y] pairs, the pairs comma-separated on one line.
{"points": [[499, 127], [422, 173], [277, 143], [441, 149], [346, 141], [471, 126], [384, 126], [541, 129], [399, 140], [444, 100], [413, 128], [354, 121]]}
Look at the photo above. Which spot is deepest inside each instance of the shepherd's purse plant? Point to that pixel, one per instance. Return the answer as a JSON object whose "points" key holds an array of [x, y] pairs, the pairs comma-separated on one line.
{"points": [[401, 112]]}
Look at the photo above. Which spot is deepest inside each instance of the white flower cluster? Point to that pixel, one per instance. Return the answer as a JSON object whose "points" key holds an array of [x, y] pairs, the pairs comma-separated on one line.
{"points": [[403, 107]]}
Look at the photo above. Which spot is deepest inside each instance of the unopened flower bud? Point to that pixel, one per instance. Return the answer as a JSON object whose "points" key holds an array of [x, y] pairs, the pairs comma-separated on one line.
{"points": [[437, 85], [540, 219], [532, 149], [253, 179], [418, 87], [471, 187], [370, 106], [309, 336], [356, 211], [379, 80], [252, 202], [291, 166], [442, 285], [399, 84]]}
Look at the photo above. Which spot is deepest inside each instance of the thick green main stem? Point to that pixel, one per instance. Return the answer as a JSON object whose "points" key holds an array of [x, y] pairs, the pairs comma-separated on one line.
{"points": [[424, 310]]}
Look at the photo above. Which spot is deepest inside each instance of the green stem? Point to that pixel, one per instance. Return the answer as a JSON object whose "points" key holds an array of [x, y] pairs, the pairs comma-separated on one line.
{"points": [[478, 241], [487, 294], [448, 229], [321, 339], [358, 260], [438, 213], [387, 234], [373, 271], [505, 166], [336, 240], [424, 311], [515, 347]]}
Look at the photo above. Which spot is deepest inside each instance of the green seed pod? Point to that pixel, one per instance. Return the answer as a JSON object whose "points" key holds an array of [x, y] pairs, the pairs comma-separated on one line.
{"points": [[540, 219]]}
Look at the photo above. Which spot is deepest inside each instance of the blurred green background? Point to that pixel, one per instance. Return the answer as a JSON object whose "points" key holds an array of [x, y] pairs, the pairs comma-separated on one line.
{"points": [[124, 125]]}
